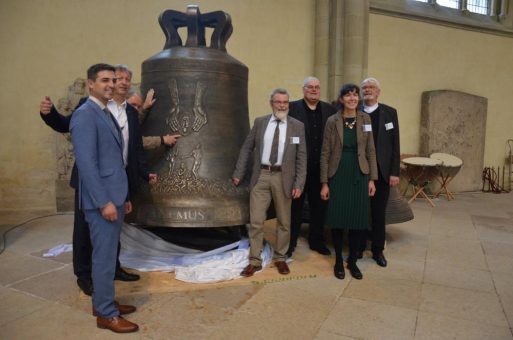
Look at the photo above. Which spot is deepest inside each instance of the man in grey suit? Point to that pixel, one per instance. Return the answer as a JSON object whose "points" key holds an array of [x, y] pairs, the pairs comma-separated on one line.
{"points": [[277, 144], [103, 191]]}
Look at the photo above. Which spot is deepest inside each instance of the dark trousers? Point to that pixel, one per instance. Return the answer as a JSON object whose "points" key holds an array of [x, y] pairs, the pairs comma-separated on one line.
{"points": [[378, 208], [317, 209], [354, 238], [82, 247]]}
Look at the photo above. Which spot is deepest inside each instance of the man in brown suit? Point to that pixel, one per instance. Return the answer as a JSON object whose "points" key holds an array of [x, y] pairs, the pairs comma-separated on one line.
{"points": [[277, 143]]}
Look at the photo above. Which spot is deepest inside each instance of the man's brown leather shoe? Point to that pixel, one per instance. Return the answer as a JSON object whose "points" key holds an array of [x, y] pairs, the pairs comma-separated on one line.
{"points": [[116, 324], [282, 267], [250, 270], [123, 309]]}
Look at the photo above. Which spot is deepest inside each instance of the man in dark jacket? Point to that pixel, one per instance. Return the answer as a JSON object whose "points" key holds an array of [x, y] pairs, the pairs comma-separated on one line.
{"points": [[313, 113], [385, 128]]}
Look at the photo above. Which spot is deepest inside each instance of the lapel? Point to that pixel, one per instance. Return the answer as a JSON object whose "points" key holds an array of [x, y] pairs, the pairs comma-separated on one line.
{"points": [[288, 134], [111, 123], [339, 124], [359, 126], [261, 133], [131, 113], [303, 118], [381, 120]]}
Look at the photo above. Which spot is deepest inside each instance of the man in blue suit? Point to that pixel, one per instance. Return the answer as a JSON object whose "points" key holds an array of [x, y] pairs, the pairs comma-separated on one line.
{"points": [[103, 191], [136, 168]]}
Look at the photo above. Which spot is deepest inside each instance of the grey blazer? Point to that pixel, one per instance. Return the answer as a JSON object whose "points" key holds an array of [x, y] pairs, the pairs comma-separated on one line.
{"points": [[331, 153], [294, 155]]}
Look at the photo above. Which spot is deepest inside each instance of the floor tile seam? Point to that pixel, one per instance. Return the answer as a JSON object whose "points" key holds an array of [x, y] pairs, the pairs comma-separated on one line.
{"points": [[3, 324], [502, 303], [436, 262], [457, 265], [337, 333], [442, 313], [37, 275], [384, 304], [29, 294], [462, 288]]}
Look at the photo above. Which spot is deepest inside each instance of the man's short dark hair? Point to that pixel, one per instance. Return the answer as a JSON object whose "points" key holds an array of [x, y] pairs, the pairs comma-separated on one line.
{"points": [[92, 72]]}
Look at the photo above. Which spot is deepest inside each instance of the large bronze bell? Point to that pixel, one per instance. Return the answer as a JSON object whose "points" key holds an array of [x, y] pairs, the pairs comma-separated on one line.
{"points": [[398, 210], [201, 94]]}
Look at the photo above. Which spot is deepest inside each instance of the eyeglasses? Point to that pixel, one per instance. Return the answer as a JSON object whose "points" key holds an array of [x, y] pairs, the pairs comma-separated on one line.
{"points": [[311, 87], [280, 102]]}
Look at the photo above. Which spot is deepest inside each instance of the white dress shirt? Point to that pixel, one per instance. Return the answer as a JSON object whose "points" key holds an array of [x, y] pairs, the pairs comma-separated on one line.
{"points": [[119, 112], [268, 140]]}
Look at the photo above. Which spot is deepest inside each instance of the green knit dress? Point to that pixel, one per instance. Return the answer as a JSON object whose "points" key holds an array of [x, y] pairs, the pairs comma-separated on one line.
{"points": [[348, 206]]}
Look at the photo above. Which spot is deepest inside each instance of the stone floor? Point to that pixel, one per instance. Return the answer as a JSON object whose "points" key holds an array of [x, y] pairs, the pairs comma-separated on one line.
{"points": [[450, 276]]}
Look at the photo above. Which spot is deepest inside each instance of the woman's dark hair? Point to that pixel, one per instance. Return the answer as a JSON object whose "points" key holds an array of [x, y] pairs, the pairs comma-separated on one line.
{"points": [[349, 87], [345, 89]]}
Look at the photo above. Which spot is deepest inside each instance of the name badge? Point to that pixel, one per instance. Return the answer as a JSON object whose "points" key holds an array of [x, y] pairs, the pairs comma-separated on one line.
{"points": [[294, 140], [367, 127], [389, 126]]}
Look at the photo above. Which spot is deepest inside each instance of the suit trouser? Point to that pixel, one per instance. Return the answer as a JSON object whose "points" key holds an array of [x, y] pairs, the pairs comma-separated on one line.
{"points": [[378, 208], [317, 209], [82, 248], [268, 186], [105, 240]]}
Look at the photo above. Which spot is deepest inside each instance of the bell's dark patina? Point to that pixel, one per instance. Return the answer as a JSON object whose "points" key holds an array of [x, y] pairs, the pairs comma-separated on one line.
{"points": [[201, 94]]}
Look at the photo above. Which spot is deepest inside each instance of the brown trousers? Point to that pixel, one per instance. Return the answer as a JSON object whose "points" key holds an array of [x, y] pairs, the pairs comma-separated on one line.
{"points": [[269, 186]]}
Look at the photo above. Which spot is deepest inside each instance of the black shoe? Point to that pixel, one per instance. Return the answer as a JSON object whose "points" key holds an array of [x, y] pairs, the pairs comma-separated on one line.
{"points": [[321, 249], [85, 285], [338, 270], [380, 259], [355, 271], [122, 275]]}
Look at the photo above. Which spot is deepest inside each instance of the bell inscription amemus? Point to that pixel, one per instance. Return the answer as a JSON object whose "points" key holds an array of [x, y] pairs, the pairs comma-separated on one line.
{"points": [[201, 94]]}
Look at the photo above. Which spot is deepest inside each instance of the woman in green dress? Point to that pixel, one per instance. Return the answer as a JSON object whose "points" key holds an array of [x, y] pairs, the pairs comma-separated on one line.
{"points": [[348, 171]]}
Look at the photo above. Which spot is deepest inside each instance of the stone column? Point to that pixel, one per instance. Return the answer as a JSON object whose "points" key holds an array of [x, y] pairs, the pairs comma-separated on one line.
{"points": [[348, 43], [322, 26]]}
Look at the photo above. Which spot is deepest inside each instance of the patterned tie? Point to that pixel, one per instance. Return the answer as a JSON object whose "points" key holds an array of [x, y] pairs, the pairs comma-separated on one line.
{"points": [[273, 159]]}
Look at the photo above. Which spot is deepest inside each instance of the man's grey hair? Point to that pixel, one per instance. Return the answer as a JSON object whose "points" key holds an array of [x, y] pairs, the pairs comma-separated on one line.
{"points": [[309, 79], [123, 68], [279, 90], [371, 80]]}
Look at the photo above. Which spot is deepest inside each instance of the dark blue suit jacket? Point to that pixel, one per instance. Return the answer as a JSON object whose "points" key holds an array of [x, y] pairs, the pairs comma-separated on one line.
{"points": [[136, 167]]}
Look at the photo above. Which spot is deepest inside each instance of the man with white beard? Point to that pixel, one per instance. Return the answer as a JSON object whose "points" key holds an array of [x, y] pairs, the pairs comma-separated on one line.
{"points": [[277, 144]]}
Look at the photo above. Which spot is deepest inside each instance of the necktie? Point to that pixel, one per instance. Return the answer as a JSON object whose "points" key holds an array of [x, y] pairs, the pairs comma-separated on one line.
{"points": [[273, 159], [111, 118]]}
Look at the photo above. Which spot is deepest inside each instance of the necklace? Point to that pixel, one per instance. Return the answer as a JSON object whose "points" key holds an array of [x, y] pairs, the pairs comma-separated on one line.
{"points": [[349, 125]]}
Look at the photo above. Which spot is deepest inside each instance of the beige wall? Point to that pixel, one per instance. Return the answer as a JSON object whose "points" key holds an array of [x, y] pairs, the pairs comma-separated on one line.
{"points": [[45, 47], [410, 57]]}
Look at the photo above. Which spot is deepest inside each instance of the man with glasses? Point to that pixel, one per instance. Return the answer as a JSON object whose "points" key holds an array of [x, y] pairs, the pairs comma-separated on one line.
{"points": [[277, 144], [313, 113], [385, 128]]}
